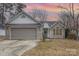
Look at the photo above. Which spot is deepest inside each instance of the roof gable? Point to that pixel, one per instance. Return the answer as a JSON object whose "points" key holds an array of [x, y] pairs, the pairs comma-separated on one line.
{"points": [[57, 24], [22, 18], [46, 25]]}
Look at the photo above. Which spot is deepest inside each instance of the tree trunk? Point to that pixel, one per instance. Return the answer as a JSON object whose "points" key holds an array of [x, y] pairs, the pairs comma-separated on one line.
{"points": [[77, 34], [43, 37]]}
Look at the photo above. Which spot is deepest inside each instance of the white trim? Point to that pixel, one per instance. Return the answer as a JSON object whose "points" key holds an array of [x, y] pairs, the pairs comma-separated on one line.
{"points": [[57, 23], [10, 33]]}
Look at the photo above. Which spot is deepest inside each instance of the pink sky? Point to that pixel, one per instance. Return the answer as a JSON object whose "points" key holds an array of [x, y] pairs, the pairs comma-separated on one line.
{"points": [[50, 7]]}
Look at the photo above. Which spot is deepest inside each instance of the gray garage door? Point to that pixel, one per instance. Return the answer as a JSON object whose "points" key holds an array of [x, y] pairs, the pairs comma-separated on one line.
{"points": [[28, 34]]}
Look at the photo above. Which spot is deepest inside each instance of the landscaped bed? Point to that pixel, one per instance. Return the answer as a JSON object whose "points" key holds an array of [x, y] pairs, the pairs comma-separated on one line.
{"points": [[54, 47]]}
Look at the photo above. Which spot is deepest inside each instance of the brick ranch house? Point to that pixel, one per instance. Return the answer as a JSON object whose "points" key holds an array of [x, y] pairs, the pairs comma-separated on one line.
{"points": [[23, 26]]}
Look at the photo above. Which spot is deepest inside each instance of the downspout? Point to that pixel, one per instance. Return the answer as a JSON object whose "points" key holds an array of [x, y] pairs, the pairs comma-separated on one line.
{"points": [[10, 33]]}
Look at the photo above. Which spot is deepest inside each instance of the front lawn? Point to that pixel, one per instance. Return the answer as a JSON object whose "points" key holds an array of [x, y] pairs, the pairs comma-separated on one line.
{"points": [[56, 47]]}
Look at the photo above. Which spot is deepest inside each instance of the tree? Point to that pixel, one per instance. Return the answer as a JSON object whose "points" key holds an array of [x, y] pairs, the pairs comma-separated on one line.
{"points": [[9, 9], [71, 17], [40, 15], [19, 7], [65, 19], [77, 25]]}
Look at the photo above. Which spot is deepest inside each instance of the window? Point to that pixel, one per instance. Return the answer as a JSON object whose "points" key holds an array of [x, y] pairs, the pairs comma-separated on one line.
{"points": [[60, 31], [57, 31]]}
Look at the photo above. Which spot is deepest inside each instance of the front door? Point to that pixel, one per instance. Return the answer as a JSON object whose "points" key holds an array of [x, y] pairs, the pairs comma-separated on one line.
{"points": [[45, 33]]}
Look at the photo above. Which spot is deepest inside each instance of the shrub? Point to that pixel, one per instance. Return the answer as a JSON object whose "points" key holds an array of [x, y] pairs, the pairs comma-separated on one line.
{"points": [[71, 36]]}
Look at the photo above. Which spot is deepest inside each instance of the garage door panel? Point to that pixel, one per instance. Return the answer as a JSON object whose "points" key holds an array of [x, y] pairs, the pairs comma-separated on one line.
{"points": [[28, 34]]}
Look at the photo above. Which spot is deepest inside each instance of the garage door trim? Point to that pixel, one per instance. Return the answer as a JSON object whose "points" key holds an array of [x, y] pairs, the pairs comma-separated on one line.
{"points": [[26, 28]]}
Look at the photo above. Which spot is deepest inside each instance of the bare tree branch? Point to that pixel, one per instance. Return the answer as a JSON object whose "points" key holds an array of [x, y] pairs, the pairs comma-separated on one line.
{"points": [[40, 14], [70, 18]]}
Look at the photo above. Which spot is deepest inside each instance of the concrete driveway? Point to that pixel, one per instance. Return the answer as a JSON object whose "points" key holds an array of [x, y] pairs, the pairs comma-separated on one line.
{"points": [[16, 47]]}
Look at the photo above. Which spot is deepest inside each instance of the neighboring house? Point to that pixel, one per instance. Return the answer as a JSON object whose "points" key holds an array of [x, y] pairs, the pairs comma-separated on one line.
{"points": [[2, 32], [23, 26]]}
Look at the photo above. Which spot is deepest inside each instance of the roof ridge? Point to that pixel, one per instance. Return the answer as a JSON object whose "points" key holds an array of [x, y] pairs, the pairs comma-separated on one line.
{"points": [[12, 18], [57, 23], [30, 17]]}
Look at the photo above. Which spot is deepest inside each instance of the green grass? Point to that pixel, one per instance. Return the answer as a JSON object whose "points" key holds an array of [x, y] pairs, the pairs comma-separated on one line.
{"points": [[57, 47]]}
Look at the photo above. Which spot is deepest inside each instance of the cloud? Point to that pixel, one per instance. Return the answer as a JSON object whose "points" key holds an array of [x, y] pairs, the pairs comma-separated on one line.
{"points": [[52, 8]]}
